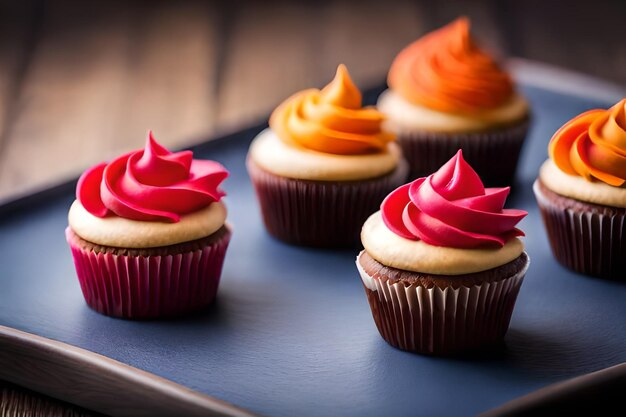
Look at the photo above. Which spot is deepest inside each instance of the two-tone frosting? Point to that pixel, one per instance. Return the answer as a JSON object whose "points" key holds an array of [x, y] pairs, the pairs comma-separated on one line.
{"points": [[588, 157], [447, 82], [326, 134], [446, 223], [149, 197], [331, 120], [593, 145]]}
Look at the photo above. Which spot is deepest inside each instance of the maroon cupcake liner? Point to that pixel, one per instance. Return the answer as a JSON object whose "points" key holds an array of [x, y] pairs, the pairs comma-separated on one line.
{"points": [[587, 238], [144, 287], [320, 213], [441, 321], [494, 154]]}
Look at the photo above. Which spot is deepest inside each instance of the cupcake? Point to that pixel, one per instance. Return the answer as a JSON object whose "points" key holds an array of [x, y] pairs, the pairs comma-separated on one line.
{"points": [[324, 165], [445, 94], [147, 233], [582, 195], [443, 263]]}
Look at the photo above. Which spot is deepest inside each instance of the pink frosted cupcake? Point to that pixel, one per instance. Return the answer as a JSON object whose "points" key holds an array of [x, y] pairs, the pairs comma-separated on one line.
{"points": [[148, 234], [443, 264]]}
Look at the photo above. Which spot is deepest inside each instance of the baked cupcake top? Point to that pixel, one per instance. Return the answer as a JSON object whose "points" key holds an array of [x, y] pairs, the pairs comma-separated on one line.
{"points": [[444, 81], [447, 224], [326, 135], [148, 198], [588, 157]]}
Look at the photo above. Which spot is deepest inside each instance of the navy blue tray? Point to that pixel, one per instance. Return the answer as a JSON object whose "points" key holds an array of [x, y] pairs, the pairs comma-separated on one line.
{"points": [[291, 332]]}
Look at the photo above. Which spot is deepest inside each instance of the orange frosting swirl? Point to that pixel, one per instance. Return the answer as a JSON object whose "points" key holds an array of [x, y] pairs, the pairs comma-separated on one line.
{"points": [[331, 120], [446, 71], [593, 145]]}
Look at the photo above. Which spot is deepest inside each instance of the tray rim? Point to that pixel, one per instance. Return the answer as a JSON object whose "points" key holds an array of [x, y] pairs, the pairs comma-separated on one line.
{"points": [[28, 360]]}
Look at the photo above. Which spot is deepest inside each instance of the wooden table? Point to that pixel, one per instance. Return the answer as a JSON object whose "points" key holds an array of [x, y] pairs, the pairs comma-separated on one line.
{"points": [[81, 82]]}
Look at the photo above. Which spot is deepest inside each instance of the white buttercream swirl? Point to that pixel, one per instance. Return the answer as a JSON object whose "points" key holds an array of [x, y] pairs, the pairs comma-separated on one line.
{"points": [[292, 161], [579, 188], [415, 255], [403, 116], [126, 233]]}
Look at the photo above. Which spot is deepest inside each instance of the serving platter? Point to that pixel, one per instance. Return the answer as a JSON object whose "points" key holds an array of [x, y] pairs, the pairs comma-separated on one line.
{"points": [[291, 332]]}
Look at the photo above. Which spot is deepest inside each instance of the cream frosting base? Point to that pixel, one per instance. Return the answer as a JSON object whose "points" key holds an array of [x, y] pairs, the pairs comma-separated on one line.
{"points": [[125, 233], [276, 156], [578, 188], [414, 255], [405, 116]]}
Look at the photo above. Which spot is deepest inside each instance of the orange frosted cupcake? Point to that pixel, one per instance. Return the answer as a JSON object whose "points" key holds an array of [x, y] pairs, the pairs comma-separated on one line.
{"points": [[581, 193], [445, 94], [324, 165]]}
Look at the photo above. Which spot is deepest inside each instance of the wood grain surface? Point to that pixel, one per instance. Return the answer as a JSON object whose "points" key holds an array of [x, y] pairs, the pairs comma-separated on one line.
{"points": [[81, 82], [87, 379], [17, 401]]}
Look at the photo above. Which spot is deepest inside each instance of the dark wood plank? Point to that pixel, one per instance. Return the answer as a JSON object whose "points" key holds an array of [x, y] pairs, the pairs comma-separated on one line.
{"points": [[271, 52], [171, 72], [93, 77], [103, 74], [18, 32], [96, 382], [367, 37], [586, 37], [71, 96], [16, 401]]}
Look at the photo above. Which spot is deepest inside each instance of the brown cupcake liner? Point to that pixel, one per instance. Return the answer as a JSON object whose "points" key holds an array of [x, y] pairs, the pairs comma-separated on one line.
{"points": [[320, 213], [133, 285], [493, 154], [441, 321], [587, 238]]}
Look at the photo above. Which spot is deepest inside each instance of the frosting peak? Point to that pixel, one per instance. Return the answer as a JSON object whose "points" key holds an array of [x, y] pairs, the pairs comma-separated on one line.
{"points": [[152, 184], [446, 71], [331, 120], [452, 208], [593, 145], [341, 91]]}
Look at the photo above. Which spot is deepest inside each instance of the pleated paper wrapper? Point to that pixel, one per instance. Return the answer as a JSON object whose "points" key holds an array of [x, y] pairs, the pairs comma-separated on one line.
{"points": [[589, 242], [145, 287], [441, 321], [320, 213], [494, 155]]}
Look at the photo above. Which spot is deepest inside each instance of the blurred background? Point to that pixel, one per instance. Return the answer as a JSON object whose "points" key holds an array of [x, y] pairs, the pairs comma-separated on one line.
{"points": [[82, 81]]}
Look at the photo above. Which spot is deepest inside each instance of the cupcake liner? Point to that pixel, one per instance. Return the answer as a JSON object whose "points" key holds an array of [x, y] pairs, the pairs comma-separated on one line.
{"points": [[438, 321], [142, 287], [590, 241], [320, 213], [494, 154]]}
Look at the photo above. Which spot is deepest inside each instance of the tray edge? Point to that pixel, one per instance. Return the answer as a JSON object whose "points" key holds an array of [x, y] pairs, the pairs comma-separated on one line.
{"points": [[98, 383]]}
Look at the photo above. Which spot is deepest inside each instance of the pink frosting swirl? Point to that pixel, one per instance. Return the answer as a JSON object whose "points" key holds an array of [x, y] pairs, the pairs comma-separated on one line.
{"points": [[452, 208], [152, 184]]}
